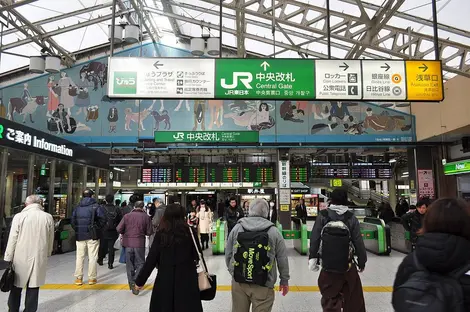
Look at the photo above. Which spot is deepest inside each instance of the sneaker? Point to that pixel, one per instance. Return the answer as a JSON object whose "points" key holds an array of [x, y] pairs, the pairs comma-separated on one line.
{"points": [[135, 291], [100, 262], [92, 281], [110, 266], [78, 282]]}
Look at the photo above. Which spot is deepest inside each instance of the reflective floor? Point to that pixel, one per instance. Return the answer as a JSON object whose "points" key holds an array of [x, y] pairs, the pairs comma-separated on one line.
{"points": [[112, 293]]}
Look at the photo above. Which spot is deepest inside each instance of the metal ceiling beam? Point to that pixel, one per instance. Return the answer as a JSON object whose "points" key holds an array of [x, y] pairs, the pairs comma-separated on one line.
{"points": [[416, 19], [152, 32], [381, 17], [168, 8], [63, 30], [240, 25], [124, 6], [35, 34], [64, 16], [353, 37], [6, 5]]}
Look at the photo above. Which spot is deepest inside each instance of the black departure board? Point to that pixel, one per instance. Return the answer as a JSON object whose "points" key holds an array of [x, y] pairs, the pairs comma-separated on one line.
{"points": [[191, 174], [299, 174], [371, 171], [157, 174], [329, 170], [264, 173], [223, 173]]}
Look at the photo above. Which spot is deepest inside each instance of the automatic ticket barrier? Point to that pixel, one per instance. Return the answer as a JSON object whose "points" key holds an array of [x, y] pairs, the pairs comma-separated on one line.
{"points": [[218, 237], [64, 237], [400, 237], [376, 235]]}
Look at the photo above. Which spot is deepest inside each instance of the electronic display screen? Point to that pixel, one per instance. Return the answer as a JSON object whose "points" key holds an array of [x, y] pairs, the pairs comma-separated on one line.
{"points": [[299, 174], [223, 173], [190, 174], [161, 174], [264, 173]]}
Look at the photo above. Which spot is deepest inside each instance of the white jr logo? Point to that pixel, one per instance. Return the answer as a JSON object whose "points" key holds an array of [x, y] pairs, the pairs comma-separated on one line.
{"points": [[179, 136], [244, 77]]}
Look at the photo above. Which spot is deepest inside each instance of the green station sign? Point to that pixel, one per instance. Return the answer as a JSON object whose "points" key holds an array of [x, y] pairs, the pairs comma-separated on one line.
{"points": [[457, 167], [206, 136], [265, 79]]}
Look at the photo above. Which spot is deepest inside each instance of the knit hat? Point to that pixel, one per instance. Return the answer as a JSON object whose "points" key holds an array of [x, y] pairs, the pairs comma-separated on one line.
{"points": [[259, 208]]}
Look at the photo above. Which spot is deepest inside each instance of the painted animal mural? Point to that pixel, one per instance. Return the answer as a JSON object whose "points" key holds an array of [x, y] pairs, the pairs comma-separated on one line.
{"points": [[163, 117], [25, 107], [137, 117], [216, 109], [199, 114]]}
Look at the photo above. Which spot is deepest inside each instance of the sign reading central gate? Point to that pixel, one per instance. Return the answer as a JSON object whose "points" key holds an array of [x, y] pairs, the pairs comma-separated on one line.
{"points": [[262, 78], [206, 136]]}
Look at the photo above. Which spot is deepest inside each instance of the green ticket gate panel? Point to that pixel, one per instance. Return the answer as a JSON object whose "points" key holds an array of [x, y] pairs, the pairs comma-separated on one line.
{"points": [[301, 242], [218, 237], [376, 236], [400, 238]]}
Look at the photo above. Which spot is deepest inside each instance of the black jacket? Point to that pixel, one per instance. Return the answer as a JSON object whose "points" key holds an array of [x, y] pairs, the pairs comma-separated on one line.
{"points": [[387, 215], [440, 253], [354, 228], [111, 232], [301, 211], [412, 222], [82, 216], [232, 216]]}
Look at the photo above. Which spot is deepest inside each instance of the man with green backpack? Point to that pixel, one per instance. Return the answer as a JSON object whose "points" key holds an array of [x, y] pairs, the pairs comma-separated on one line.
{"points": [[254, 248]]}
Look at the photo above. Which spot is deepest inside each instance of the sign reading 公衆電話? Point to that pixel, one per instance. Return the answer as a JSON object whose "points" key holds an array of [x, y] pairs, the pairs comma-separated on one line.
{"points": [[264, 79]]}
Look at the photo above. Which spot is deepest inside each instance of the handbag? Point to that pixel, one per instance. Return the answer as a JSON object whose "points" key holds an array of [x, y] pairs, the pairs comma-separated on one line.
{"points": [[8, 279], [207, 282], [93, 228]]}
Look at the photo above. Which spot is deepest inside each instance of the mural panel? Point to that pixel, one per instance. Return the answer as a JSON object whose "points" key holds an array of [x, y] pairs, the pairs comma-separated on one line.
{"points": [[74, 104]]}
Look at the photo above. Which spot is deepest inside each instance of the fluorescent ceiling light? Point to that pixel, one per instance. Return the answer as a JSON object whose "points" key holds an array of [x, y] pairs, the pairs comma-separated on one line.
{"points": [[119, 169], [406, 173], [392, 160], [149, 162]]}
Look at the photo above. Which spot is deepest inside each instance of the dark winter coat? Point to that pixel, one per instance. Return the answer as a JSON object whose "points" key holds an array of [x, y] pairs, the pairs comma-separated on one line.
{"points": [[127, 209], [232, 215], [176, 286], [82, 216], [134, 227], [110, 232], [301, 211], [387, 214], [412, 222], [440, 253]]}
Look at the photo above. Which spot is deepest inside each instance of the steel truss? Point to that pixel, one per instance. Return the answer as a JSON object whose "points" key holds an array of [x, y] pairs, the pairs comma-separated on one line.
{"points": [[357, 36]]}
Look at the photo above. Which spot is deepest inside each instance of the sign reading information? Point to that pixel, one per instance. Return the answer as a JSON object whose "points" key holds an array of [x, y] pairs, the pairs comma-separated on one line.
{"points": [[206, 136], [264, 78], [161, 78]]}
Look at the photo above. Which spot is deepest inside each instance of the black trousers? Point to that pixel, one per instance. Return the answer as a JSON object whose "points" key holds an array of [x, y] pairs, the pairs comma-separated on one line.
{"points": [[205, 239], [107, 247], [31, 303]]}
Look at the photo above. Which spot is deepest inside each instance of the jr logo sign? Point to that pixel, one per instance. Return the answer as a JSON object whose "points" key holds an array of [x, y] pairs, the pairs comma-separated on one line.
{"points": [[125, 82], [244, 77]]}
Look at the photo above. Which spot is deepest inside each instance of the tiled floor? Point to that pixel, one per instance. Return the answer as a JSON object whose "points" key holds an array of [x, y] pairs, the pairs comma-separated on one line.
{"points": [[112, 295]]}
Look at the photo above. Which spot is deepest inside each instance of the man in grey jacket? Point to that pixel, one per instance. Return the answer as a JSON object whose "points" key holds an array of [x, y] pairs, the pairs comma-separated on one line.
{"points": [[261, 298]]}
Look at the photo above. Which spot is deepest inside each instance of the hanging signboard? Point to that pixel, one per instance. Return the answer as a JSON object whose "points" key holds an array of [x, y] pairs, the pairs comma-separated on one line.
{"points": [[275, 79], [425, 183], [206, 136]]}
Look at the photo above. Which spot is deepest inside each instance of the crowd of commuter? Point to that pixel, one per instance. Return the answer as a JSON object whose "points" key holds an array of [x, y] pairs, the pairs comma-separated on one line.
{"points": [[435, 274]]}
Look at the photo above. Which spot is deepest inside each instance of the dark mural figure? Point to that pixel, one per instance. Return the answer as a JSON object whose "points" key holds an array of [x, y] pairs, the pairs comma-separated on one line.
{"points": [[97, 73], [26, 105], [287, 112], [199, 114], [61, 122], [163, 117]]}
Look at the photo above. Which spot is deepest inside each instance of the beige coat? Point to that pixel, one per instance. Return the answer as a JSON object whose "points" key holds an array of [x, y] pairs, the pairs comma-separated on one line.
{"points": [[30, 243], [205, 221]]}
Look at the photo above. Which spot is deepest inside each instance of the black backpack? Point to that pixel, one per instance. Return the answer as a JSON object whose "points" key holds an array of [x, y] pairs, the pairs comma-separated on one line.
{"points": [[336, 248], [430, 292], [251, 261], [111, 217]]}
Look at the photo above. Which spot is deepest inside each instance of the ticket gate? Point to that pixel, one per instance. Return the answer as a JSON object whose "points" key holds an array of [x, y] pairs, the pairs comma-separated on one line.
{"points": [[376, 235]]}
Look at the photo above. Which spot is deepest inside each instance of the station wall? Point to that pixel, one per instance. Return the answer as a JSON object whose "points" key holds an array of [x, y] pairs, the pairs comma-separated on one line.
{"points": [[73, 104]]}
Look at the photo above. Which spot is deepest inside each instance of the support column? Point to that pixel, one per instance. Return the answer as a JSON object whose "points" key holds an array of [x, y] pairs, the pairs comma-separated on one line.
{"points": [[97, 183], [3, 181], [84, 177], [109, 181], [423, 172], [50, 197], [69, 190], [241, 28], [284, 195], [392, 193], [29, 186]]}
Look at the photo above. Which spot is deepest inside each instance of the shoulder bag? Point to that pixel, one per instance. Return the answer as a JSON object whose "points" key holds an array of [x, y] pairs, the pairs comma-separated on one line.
{"points": [[8, 279], [93, 228], [207, 282]]}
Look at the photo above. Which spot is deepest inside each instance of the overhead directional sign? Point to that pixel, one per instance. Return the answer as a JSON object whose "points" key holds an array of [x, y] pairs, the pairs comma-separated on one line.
{"points": [[383, 80], [339, 80], [275, 79], [424, 80], [132, 77], [264, 79]]}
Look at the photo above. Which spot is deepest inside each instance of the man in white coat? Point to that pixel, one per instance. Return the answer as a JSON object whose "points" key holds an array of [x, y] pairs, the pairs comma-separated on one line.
{"points": [[29, 245]]}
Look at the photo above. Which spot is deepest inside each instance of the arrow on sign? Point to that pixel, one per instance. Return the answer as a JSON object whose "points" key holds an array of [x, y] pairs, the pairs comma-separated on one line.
{"points": [[265, 65], [345, 66], [157, 64], [386, 67], [424, 68]]}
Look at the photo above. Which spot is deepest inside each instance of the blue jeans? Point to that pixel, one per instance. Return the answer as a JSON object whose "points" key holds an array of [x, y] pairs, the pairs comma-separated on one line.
{"points": [[135, 259]]}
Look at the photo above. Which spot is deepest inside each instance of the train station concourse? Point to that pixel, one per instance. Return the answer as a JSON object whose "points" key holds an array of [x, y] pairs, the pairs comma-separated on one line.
{"points": [[218, 106]]}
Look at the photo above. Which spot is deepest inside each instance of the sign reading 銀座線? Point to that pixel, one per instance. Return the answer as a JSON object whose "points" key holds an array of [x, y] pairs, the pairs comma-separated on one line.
{"points": [[457, 167], [264, 78], [206, 136]]}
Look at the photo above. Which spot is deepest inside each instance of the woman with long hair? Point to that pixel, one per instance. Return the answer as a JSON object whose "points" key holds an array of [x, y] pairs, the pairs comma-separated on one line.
{"points": [[174, 254], [442, 248]]}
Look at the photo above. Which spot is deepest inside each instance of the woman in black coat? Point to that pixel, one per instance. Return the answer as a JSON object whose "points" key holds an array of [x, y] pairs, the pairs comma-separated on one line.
{"points": [[444, 245], [174, 254]]}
